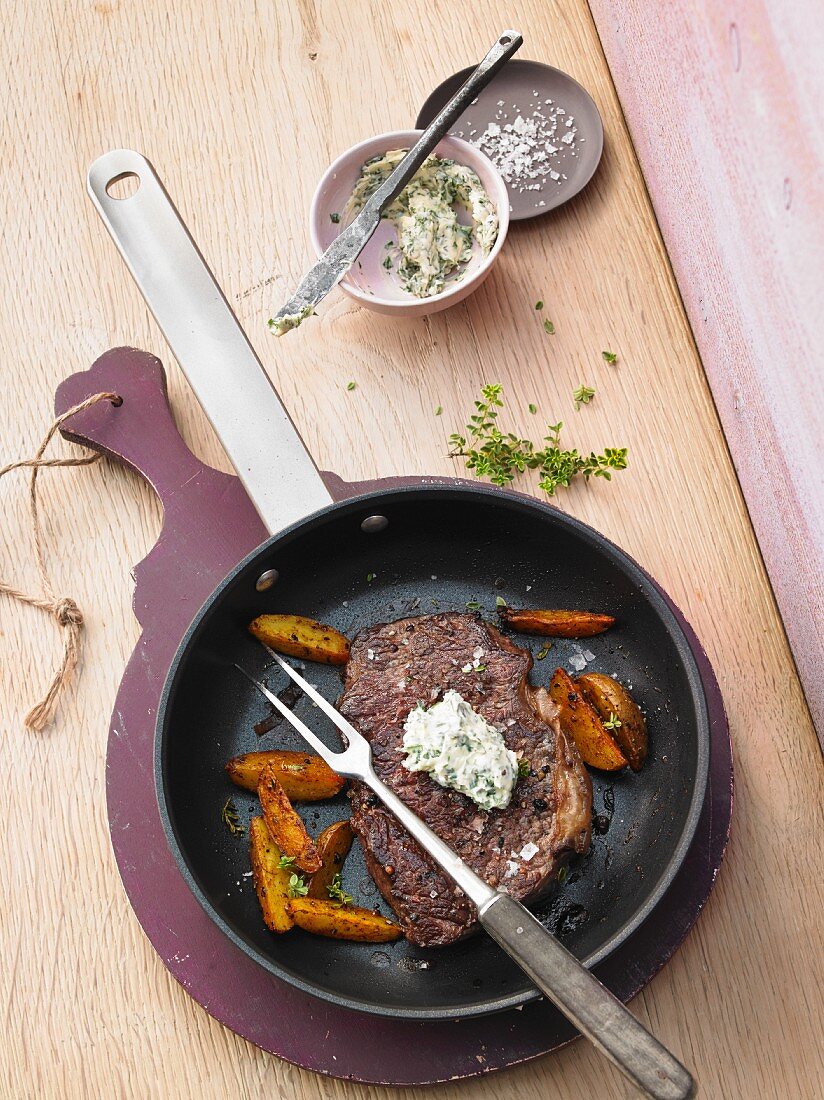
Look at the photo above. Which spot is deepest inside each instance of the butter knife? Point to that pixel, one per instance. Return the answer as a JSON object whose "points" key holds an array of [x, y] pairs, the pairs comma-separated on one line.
{"points": [[345, 249]]}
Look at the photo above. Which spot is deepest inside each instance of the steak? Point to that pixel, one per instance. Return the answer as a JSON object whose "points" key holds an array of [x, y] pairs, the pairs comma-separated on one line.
{"points": [[394, 666]]}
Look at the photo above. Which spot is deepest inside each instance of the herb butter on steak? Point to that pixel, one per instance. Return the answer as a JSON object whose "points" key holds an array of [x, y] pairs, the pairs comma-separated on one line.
{"points": [[393, 667]]}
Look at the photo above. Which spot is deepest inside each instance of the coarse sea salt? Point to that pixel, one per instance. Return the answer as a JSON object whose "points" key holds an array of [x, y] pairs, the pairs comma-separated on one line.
{"points": [[523, 150]]}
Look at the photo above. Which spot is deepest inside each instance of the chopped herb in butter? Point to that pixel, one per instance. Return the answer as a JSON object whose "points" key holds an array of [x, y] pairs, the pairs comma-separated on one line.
{"points": [[432, 243], [279, 325], [461, 750]]}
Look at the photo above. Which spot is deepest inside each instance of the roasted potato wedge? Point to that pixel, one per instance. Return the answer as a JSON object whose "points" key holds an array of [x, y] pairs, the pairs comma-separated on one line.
{"points": [[613, 702], [333, 846], [271, 881], [556, 624], [342, 922], [286, 827], [596, 745], [304, 777], [298, 636]]}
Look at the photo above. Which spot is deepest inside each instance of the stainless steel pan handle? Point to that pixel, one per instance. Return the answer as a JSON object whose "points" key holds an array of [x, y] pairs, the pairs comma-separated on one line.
{"points": [[219, 362]]}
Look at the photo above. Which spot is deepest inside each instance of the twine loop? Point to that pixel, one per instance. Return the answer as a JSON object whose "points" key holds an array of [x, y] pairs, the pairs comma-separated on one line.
{"points": [[63, 609]]}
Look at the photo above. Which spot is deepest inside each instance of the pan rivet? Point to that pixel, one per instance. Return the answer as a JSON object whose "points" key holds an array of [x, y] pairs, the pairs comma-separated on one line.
{"points": [[266, 580], [372, 524]]}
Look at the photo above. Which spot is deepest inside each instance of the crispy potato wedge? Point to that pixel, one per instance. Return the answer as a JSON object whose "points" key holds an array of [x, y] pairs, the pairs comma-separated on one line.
{"points": [[304, 777], [333, 846], [597, 747], [342, 922], [298, 636], [611, 700], [286, 827], [556, 624], [271, 881]]}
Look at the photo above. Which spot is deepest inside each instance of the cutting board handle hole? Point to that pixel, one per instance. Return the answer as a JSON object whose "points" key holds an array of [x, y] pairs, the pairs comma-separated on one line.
{"points": [[123, 186]]}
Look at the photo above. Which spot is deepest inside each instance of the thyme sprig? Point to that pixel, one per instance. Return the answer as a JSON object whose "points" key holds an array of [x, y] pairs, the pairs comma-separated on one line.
{"points": [[298, 887], [229, 817], [582, 396], [336, 891], [501, 457]]}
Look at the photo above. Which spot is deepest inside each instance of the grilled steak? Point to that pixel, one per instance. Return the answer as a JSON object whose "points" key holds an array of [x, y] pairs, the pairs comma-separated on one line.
{"points": [[392, 667]]}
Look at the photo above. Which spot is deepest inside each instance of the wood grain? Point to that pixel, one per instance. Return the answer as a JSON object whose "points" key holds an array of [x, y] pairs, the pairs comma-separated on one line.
{"points": [[240, 118], [732, 154]]}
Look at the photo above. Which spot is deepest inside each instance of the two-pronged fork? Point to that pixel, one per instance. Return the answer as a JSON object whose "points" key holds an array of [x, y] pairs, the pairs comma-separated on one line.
{"points": [[597, 1014]]}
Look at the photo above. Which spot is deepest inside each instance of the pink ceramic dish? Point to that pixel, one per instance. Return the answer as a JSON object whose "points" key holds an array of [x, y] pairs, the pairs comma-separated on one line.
{"points": [[368, 282]]}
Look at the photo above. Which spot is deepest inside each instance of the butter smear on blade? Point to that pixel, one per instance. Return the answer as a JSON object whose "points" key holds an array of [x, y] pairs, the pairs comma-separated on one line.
{"points": [[461, 750], [288, 321], [432, 243]]}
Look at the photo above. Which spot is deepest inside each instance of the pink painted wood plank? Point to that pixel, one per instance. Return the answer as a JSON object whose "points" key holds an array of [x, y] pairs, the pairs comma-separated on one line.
{"points": [[725, 104]]}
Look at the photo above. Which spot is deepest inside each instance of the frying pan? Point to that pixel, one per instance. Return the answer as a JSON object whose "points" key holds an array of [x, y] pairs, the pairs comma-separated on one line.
{"points": [[371, 558]]}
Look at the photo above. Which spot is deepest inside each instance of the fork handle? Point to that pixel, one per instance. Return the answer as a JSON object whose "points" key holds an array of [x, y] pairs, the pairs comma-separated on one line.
{"points": [[597, 1014]]}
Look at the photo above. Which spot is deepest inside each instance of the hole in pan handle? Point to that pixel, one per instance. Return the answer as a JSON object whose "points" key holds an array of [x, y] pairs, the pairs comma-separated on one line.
{"points": [[123, 186], [220, 364]]}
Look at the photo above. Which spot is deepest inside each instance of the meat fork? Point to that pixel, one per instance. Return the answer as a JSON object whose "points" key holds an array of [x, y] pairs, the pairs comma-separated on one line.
{"points": [[589, 1005]]}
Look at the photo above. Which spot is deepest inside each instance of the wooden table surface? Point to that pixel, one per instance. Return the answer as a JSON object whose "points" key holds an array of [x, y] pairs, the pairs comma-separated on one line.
{"points": [[241, 106]]}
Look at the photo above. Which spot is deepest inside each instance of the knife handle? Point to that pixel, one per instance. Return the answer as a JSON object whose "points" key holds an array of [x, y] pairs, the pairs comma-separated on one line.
{"points": [[509, 42], [597, 1014]]}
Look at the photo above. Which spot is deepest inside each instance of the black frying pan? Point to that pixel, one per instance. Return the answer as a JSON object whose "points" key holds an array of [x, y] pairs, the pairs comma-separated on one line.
{"points": [[448, 544]]}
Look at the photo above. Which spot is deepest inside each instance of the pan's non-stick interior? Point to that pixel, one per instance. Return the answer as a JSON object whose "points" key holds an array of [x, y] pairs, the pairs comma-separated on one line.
{"points": [[441, 549]]}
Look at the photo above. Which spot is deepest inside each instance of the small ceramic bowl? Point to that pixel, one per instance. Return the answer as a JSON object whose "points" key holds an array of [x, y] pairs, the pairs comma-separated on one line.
{"points": [[368, 281]]}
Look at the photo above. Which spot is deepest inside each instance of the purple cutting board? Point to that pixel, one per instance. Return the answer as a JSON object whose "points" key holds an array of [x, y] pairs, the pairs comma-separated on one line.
{"points": [[209, 524]]}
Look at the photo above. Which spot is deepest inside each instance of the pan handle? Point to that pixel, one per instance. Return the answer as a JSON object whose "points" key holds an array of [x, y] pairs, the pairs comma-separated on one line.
{"points": [[220, 364]]}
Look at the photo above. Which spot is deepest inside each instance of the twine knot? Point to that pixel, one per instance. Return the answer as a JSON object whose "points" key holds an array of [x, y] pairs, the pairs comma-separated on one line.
{"points": [[63, 609], [67, 613]]}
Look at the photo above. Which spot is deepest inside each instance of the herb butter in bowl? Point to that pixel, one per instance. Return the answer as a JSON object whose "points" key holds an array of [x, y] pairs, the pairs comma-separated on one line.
{"points": [[437, 240]]}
